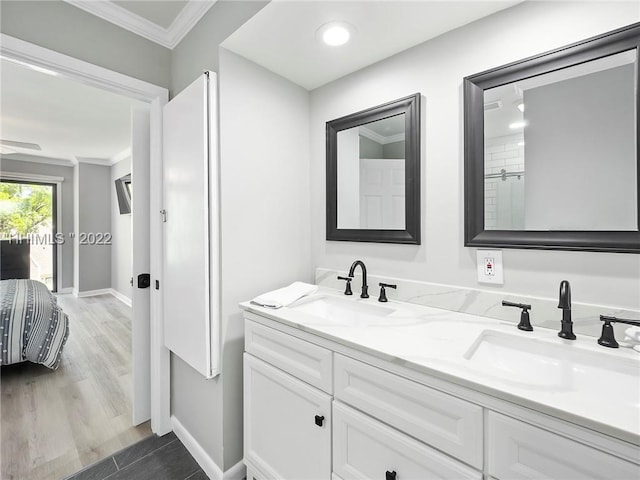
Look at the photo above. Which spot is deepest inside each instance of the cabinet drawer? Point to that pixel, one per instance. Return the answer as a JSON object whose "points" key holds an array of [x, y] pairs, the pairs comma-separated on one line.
{"points": [[302, 359], [364, 448], [287, 425], [518, 450], [445, 422]]}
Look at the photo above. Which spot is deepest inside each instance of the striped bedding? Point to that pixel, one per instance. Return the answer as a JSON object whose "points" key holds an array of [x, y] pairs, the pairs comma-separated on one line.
{"points": [[32, 325]]}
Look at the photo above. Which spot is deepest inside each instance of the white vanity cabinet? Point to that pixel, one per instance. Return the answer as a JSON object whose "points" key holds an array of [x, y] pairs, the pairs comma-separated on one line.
{"points": [[384, 420], [287, 415]]}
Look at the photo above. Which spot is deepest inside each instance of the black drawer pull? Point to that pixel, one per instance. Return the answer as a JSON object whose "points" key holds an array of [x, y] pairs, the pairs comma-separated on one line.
{"points": [[319, 420], [391, 475]]}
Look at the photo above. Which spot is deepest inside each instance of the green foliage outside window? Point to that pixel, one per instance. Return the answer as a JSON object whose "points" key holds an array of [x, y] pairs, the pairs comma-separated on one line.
{"points": [[24, 208]]}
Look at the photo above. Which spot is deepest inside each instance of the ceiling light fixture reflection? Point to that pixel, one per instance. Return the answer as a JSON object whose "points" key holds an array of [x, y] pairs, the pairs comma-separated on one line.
{"points": [[520, 107], [516, 125], [335, 34]]}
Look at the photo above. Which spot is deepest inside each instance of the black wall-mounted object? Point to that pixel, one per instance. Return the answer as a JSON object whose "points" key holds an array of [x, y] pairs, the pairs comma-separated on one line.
{"points": [[319, 420], [124, 194], [475, 234], [410, 106]]}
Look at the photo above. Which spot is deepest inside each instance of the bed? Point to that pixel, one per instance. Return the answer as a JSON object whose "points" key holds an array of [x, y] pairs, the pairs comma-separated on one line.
{"points": [[32, 325]]}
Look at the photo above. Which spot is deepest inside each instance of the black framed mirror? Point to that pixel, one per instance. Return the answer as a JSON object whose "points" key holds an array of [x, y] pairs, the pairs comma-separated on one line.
{"points": [[551, 149], [373, 174]]}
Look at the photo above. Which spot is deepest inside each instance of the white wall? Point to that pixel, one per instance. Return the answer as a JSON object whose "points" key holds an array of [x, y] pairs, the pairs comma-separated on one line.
{"points": [[121, 235], [265, 235], [436, 69]]}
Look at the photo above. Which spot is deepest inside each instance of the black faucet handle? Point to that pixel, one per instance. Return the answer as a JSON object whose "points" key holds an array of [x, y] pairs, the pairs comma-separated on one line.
{"points": [[383, 293], [525, 321], [347, 289], [607, 338]]}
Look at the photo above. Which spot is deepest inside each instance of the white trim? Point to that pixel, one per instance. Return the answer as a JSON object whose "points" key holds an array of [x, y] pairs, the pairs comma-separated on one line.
{"points": [[213, 471], [376, 137], [65, 290], [23, 157], [14, 49], [30, 177], [91, 293], [101, 291], [120, 296], [187, 19], [87, 73], [104, 162], [117, 158], [169, 37]]}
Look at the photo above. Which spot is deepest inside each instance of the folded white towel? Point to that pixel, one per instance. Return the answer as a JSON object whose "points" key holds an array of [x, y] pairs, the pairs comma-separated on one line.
{"points": [[285, 296], [633, 333]]}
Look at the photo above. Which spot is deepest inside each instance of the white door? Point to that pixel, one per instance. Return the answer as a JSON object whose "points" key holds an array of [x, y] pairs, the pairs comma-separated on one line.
{"points": [[382, 195], [140, 328], [191, 237]]}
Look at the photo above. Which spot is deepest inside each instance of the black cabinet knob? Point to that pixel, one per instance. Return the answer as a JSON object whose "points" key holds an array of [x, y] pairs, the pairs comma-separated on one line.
{"points": [[390, 475], [319, 420]]}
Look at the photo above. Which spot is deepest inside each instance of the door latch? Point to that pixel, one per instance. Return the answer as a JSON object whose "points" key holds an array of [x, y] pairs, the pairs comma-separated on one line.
{"points": [[163, 212], [144, 280]]}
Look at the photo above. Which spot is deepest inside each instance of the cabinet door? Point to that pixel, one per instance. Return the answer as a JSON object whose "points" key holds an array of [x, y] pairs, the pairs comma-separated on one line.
{"points": [[520, 451], [364, 448], [287, 425]]}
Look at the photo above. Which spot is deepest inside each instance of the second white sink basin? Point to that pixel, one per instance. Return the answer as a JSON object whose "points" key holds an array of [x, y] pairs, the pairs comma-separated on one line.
{"points": [[553, 365]]}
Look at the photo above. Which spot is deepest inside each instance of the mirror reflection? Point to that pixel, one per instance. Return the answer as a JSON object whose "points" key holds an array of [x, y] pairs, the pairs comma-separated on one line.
{"points": [[371, 175], [560, 149]]}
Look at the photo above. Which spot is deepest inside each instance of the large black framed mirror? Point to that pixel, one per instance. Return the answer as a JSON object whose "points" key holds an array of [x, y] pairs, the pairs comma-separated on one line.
{"points": [[373, 174], [551, 149]]}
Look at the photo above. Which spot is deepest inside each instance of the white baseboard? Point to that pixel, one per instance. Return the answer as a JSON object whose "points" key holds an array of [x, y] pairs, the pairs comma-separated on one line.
{"points": [[120, 296], [65, 290], [213, 471], [103, 291], [92, 293]]}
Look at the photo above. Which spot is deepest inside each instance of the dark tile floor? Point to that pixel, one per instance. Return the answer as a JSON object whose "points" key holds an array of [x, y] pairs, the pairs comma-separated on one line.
{"points": [[157, 458]]}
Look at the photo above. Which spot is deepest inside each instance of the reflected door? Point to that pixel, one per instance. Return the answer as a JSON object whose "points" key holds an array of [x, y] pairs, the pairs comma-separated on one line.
{"points": [[382, 197]]}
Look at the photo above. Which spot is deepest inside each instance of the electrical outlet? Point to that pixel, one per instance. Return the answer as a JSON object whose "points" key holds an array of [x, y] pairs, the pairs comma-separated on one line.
{"points": [[490, 266]]}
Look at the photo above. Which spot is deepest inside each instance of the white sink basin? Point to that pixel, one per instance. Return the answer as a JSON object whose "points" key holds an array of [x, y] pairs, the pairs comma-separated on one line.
{"points": [[553, 365], [348, 312]]}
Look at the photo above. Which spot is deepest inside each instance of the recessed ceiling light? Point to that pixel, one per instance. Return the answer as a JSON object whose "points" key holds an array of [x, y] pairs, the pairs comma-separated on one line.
{"points": [[516, 125], [520, 107], [335, 33]]}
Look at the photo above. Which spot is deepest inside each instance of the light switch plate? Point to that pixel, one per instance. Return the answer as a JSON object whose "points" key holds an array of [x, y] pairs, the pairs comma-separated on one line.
{"points": [[490, 266]]}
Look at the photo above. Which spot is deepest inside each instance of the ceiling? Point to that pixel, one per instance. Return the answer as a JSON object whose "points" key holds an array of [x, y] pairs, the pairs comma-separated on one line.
{"points": [[282, 36], [67, 119]]}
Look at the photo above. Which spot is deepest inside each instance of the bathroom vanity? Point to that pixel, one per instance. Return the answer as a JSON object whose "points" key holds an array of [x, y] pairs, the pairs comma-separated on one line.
{"points": [[339, 387]]}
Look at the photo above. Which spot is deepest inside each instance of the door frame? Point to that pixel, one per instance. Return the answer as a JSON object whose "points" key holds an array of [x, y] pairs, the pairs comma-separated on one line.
{"points": [[34, 56]]}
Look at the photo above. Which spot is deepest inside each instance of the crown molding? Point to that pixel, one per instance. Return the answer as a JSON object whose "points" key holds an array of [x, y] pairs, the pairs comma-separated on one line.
{"points": [[381, 139], [167, 37], [104, 162], [126, 153], [21, 157]]}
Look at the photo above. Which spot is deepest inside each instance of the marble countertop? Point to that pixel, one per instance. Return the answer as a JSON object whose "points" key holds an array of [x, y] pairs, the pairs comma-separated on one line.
{"points": [[449, 345]]}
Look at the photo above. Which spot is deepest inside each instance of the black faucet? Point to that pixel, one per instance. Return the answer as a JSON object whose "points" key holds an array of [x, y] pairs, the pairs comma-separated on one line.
{"points": [[565, 304], [365, 287]]}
